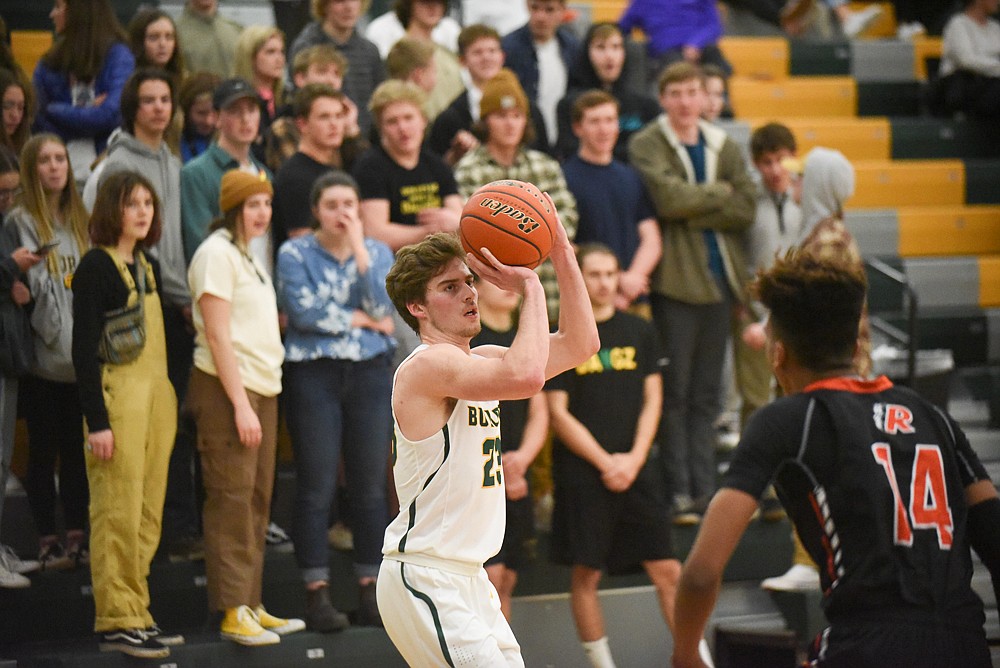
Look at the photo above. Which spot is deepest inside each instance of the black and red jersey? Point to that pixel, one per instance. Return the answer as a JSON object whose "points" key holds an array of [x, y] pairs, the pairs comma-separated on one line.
{"points": [[873, 477]]}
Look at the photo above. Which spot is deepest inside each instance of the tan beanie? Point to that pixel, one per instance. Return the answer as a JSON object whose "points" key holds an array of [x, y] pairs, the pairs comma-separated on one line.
{"points": [[238, 185], [502, 92]]}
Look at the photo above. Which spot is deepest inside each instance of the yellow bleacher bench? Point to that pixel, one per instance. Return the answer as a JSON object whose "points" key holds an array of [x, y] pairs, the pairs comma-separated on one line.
{"points": [[882, 183], [794, 97], [949, 230], [989, 281], [29, 46], [759, 57], [857, 138]]}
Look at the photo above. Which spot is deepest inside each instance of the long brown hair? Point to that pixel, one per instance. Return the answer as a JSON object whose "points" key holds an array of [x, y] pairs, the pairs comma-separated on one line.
{"points": [[91, 30], [109, 209], [33, 200], [137, 41], [17, 140]]}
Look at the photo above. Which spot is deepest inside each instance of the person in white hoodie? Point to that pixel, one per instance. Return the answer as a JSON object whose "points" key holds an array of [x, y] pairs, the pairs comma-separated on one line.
{"points": [[147, 109], [52, 221]]}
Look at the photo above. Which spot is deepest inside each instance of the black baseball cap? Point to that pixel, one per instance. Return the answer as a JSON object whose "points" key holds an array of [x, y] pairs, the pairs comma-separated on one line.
{"points": [[231, 90]]}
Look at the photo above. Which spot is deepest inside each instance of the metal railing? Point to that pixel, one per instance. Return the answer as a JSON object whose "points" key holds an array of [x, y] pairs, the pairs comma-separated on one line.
{"points": [[907, 338]]}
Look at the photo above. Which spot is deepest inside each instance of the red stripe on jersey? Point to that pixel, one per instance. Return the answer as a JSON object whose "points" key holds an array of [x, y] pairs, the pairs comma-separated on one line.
{"points": [[848, 384]]}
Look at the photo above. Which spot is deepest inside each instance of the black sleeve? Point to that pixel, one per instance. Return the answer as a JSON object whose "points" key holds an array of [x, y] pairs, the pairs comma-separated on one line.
{"points": [[771, 436], [370, 175], [970, 468], [94, 292], [444, 175], [984, 537], [651, 359], [443, 132], [566, 141]]}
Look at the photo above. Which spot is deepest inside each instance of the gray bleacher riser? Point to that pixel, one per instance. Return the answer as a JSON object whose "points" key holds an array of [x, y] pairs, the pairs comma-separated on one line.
{"points": [[944, 282], [882, 60], [875, 230]]}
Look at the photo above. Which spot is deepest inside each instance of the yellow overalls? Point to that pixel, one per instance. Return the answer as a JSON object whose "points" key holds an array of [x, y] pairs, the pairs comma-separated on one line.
{"points": [[127, 491]]}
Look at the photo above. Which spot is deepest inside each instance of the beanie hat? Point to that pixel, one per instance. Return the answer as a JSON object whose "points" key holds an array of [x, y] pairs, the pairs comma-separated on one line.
{"points": [[237, 186], [503, 92]]}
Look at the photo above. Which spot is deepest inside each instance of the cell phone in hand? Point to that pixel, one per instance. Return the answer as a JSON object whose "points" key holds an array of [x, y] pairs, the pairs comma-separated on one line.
{"points": [[45, 248]]}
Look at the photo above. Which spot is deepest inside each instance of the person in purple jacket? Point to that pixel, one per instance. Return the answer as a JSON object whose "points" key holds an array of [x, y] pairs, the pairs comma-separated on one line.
{"points": [[78, 82], [677, 30]]}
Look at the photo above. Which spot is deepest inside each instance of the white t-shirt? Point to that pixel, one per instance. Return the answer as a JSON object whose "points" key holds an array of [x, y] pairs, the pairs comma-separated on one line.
{"points": [[452, 503], [221, 269], [552, 80], [970, 46], [502, 15], [386, 30]]}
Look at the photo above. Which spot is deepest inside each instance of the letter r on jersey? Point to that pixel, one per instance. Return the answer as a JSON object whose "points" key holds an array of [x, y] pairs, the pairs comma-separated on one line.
{"points": [[894, 419]]}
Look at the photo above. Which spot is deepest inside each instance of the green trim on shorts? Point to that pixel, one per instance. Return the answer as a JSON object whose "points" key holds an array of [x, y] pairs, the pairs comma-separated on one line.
{"points": [[434, 613]]}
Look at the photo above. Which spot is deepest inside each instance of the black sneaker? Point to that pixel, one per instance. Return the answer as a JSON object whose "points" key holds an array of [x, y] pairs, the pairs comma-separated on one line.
{"points": [[154, 632], [368, 614], [53, 557], [133, 642]]}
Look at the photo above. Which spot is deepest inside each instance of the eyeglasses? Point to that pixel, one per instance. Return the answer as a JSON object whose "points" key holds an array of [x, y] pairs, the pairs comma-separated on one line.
{"points": [[9, 193]]}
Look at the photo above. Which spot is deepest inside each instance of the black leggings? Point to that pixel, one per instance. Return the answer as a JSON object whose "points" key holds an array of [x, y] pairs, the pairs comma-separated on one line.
{"points": [[55, 431]]}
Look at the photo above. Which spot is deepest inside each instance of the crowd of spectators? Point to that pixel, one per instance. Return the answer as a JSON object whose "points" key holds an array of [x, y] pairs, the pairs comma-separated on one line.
{"points": [[276, 175]]}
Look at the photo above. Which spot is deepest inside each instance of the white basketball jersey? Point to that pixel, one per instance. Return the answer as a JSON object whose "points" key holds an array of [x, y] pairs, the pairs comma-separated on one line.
{"points": [[452, 503]]}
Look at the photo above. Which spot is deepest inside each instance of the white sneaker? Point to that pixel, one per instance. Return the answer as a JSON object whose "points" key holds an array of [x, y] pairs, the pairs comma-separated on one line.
{"points": [[12, 580], [704, 654], [907, 31], [15, 564], [857, 22], [798, 578]]}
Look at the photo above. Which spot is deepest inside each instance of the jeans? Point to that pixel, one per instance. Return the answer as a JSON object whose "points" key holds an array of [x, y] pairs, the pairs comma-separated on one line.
{"points": [[694, 339], [335, 406]]}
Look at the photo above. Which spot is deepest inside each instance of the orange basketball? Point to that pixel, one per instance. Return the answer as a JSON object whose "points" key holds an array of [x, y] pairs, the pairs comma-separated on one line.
{"points": [[512, 219]]}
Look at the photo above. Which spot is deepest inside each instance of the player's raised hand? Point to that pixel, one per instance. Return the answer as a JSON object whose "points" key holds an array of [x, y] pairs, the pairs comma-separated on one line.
{"points": [[504, 276]]}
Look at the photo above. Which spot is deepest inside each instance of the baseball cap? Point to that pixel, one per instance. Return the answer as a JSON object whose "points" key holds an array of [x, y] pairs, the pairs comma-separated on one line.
{"points": [[231, 90]]}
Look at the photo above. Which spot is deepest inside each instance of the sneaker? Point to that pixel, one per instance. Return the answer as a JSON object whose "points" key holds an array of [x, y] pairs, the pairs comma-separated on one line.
{"points": [[278, 539], [53, 557], [12, 580], [321, 615], [685, 513], [340, 537], [798, 578], [15, 564], [276, 624], [80, 554], [704, 654], [857, 22], [241, 626], [162, 637], [368, 614], [909, 31], [133, 642]]}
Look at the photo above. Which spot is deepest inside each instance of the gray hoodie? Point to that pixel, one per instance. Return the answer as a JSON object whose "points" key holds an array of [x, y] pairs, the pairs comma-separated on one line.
{"points": [[52, 293], [163, 169], [827, 181]]}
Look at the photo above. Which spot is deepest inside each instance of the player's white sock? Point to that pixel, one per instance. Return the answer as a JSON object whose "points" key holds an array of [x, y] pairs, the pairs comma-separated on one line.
{"points": [[706, 656], [599, 653]]}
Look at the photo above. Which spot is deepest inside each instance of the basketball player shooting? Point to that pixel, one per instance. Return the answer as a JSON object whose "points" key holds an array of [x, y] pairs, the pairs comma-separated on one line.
{"points": [[437, 604], [883, 487]]}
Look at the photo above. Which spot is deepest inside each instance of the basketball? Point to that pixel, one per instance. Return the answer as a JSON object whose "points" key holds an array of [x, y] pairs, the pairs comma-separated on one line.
{"points": [[512, 219]]}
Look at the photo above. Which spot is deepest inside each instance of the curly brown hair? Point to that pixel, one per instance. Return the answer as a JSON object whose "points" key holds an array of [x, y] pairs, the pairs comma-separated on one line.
{"points": [[816, 305]]}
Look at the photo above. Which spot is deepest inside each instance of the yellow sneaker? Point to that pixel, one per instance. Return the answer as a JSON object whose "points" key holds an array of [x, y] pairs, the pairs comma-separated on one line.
{"points": [[241, 625], [276, 624]]}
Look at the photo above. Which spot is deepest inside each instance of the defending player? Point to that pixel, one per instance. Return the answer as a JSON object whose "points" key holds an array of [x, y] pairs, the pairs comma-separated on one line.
{"points": [[882, 486], [437, 603]]}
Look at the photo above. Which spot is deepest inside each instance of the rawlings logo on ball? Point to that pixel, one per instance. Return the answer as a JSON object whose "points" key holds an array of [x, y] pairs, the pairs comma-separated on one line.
{"points": [[525, 223]]}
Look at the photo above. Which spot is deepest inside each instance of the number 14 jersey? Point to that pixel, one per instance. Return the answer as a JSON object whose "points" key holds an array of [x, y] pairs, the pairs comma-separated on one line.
{"points": [[873, 477]]}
